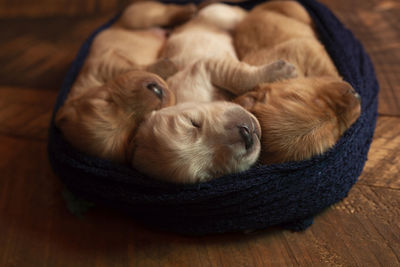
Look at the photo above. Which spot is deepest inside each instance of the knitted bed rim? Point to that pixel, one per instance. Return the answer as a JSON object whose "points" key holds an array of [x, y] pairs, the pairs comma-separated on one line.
{"points": [[288, 194]]}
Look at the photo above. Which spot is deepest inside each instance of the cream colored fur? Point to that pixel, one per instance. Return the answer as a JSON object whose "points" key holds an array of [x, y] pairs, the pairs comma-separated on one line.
{"points": [[204, 55], [200, 139], [194, 142], [112, 93], [134, 42]]}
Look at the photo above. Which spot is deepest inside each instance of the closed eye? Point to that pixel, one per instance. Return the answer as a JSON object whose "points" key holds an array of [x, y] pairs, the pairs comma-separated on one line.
{"points": [[195, 123], [156, 89]]}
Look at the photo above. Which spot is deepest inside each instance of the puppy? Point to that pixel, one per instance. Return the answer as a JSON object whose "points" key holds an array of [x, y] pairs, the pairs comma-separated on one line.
{"points": [[112, 94], [203, 52], [195, 142], [200, 139], [134, 42], [103, 120], [283, 30], [300, 117]]}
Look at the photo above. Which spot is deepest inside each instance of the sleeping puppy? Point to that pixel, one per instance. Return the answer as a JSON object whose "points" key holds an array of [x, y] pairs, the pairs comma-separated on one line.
{"points": [[195, 142], [112, 94], [203, 52], [103, 120], [200, 139], [300, 117], [134, 42]]}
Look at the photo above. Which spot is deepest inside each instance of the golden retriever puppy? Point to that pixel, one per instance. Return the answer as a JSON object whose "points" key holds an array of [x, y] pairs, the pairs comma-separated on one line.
{"points": [[112, 94], [194, 142], [132, 43], [203, 52], [103, 120], [270, 24], [300, 117], [282, 30]]}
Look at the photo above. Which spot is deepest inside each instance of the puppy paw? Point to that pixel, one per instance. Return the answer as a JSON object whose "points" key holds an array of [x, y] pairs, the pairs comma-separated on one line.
{"points": [[279, 70]]}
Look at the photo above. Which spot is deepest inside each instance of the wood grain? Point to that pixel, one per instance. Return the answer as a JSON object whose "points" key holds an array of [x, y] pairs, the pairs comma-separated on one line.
{"points": [[51, 8], [376, 24], [383, 168], [38, 52], [355, 232], [17, 121], [36, 229]]}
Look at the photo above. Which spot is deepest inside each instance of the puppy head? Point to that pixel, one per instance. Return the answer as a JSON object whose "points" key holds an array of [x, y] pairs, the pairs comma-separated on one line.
{"points": [[140, 92], [102, 120], [302, 117], [194, 142]]}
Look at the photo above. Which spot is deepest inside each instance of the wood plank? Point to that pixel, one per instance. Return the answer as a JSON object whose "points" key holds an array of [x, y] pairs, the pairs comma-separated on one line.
{"points": [[47, 8], [37, 230], [25, 112], [41, 55], [51, 8], [343, 5], [376, 24], [38, 52], [383, 166], [362, 230]]}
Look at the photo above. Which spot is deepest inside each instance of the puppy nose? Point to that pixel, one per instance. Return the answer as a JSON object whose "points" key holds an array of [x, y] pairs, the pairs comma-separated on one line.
{"points": [[246, 135]]}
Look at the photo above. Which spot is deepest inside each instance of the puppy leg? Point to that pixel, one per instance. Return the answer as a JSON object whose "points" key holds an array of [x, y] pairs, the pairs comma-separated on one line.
{"points": [[142, 15], [238, 77], [114, 63]]}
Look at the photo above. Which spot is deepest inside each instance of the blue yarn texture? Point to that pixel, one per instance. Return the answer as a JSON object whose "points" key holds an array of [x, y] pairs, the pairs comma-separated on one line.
{"points": [[287, 195]]}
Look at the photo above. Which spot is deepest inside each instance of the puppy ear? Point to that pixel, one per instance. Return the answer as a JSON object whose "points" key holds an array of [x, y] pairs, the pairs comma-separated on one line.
{"points": [[74, 109], [93, 124], [346, 97], [344, 101], [64, 114]]}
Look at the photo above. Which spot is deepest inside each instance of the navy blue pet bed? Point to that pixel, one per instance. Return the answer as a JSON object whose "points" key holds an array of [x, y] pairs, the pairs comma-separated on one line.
{"points": [[287, 194]]}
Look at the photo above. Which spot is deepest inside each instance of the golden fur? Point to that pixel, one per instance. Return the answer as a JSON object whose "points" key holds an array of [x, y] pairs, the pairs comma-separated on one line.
{"points": [[102, 120], [112, 94], [134, 42], [300, 117], [200, 139], [203, 52], [193, 142]]}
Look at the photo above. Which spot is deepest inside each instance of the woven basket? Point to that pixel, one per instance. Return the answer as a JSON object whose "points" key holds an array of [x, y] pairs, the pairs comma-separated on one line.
{"points": [[288, 194]]}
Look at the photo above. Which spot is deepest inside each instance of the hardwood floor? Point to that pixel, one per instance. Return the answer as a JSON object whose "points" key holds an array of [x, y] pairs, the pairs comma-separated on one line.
{"points": [[36, 228], [377, 24]]}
